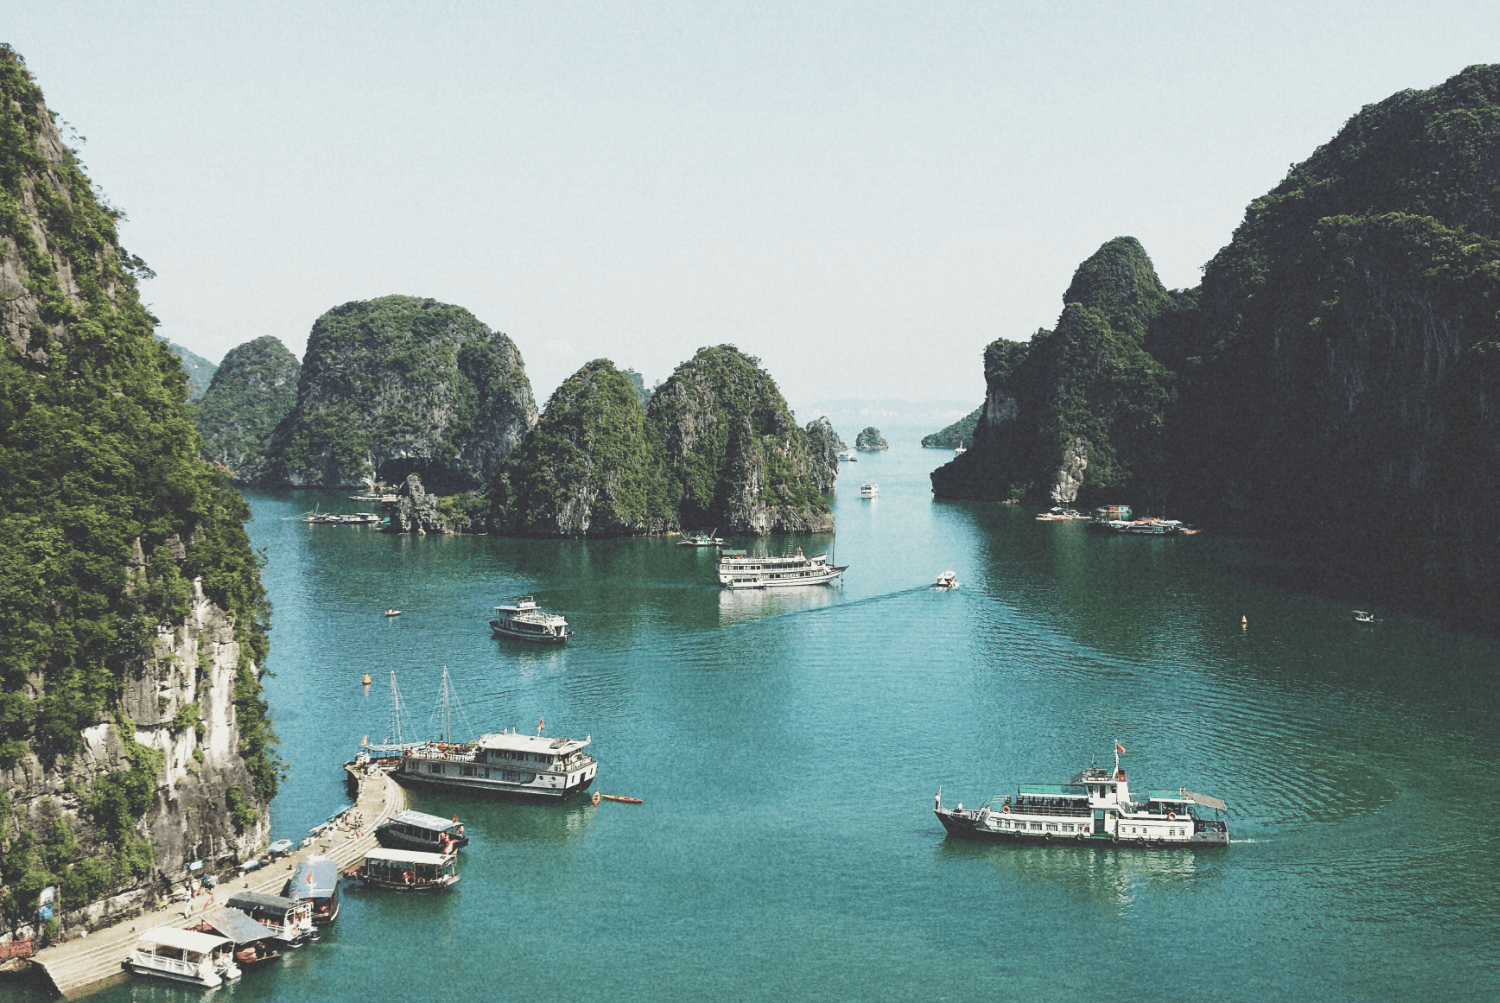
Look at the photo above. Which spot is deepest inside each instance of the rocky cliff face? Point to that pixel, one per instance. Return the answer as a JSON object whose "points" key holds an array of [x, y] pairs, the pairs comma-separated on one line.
{"points": [[132, 734], [593, 466], [402, 385], [416, 510], [1077, 414], [253, 390], [870, 440], [825, 446], [735, 457]]}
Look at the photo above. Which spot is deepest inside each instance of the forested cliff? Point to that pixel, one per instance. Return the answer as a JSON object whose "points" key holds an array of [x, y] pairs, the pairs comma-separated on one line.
{"points": [[133, 736], [1332, 383]]}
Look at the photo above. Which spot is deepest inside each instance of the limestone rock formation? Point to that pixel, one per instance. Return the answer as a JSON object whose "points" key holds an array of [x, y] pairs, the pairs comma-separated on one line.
{"points": [[416, 510], [735, 457], [870, 440], [593, 466], [200, 372], [960, 433], [253, 389], [825, 446], [133, 736], [1076, 415], [401, 385]]}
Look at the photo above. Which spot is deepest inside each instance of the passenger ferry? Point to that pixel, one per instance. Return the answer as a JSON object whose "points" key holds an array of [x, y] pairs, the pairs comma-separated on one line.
{"points": [[506, 764], [869, 490], [417, 830], [316, 880], [184, 956], [525, 622], [1095, 805], [408, 870], [738, 571]]}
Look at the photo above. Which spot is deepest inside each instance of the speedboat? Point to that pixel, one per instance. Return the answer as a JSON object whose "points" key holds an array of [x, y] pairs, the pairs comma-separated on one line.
{"points": [[393, 612]]}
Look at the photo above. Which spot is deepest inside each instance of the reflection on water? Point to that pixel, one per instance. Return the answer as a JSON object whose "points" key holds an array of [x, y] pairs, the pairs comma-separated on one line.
{"points": [[488, 821], [737, 606], [1113, 875]]}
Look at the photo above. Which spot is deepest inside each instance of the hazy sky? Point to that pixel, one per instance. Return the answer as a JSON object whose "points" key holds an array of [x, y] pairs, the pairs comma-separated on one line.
{"points": [[864, 194]]}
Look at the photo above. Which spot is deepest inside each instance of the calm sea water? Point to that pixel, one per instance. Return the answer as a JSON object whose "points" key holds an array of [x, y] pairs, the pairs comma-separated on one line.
{"points": [[788, 746]]}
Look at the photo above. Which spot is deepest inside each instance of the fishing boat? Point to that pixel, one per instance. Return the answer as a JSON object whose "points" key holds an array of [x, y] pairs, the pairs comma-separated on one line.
{"points": [[946, 580], [740, 571], [202, 959], [525, 622], [407, 870], [287, 920], [417, 830], [869, 490], [316, 881], [504, 764], [1094, 806], [702, 539]]}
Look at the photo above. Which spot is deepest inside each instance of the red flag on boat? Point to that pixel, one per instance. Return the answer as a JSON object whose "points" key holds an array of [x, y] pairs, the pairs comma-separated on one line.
{"points": [[540, 724], [1119, 748]]}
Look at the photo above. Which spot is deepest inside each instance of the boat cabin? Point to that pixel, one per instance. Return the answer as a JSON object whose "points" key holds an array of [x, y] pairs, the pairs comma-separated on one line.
{"points": [[417, 830], [316, 880], [185, 956], [409, 870], [526, 621], [287, 919]]}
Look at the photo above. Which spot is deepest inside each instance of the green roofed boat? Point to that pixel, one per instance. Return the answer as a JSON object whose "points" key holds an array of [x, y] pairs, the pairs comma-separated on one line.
{"points": [[1095, 805]]}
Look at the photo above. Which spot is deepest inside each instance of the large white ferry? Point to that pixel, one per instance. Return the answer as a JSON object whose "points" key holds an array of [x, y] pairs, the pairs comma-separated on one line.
{"points": [[739, 571], [1096, 804]]}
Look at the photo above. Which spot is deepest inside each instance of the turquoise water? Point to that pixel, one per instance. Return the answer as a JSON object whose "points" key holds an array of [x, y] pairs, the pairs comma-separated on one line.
{"points": [[788, 746]]}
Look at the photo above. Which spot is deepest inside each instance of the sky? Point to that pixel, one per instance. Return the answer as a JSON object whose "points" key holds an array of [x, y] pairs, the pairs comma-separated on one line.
{"points": [[863, 195]]}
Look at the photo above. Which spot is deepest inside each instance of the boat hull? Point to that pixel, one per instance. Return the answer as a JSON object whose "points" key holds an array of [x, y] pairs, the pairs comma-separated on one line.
{"points": [[787, 583], [964, 825], [208, 980], [501, 630], [418, 889], [493, 789]]}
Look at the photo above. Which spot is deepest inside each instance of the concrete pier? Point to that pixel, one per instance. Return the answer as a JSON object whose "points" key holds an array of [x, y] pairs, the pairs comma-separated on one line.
{"points": [[83, 962]]}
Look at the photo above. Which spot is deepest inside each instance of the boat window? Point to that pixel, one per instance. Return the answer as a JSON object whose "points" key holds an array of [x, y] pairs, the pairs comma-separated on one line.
{"points": [[434, 767]]}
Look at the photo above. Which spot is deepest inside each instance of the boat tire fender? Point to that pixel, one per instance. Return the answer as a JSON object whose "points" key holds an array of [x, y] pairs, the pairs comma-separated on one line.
{"points": [[1171, 816], [1005, 809]]}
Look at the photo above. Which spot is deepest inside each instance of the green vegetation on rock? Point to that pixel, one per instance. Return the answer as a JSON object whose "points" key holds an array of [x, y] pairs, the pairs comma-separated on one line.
{"points": [[401, 385], [200, 372], [107, 513], [591, 467], [254, 388], [960, 433]]}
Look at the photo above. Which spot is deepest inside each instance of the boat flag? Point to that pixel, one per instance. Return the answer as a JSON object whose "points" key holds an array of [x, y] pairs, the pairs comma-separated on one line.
{"points": [[540, 724], [1119, 748]]}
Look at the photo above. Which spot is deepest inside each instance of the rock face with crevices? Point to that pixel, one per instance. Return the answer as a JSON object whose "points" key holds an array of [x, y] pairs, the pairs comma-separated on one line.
{"points": [[825, 446], [401, 385], [253, 390]]}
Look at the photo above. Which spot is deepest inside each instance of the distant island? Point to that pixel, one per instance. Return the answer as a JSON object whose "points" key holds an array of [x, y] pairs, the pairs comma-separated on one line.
{"points": [[870, 440]]}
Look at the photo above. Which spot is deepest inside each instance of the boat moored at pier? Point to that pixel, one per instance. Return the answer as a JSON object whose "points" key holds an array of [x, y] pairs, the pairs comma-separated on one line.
{"points": [[526, 622], [737, 570], [202, 959], [408, 870], [505, 764], [417, 830], [287, 920], [1096, 804], [316, 881]]}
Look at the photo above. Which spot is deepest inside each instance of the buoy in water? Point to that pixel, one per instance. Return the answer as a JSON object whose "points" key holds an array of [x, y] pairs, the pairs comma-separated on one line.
{"points": [[367, 679], [1244, 623]]}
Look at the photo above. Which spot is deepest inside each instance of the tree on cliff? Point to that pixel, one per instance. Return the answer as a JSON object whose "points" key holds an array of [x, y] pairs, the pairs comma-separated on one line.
{"points": [[107, 515], [592, 466], [401, 385]]}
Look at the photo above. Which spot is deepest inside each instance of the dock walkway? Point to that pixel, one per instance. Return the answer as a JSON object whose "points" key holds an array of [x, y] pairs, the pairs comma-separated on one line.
{"points": [[85, 961]]}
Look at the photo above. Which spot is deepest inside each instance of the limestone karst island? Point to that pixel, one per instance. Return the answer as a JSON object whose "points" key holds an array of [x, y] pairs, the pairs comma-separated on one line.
{"points": [[578, 684]]}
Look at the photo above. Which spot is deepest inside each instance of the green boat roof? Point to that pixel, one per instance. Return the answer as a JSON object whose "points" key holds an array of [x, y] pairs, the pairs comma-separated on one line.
{"points": [[1054, 790], [1167, 796]]}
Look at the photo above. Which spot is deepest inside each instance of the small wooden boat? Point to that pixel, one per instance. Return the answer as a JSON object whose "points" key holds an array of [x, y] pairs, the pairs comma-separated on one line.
{"points": [[255, 957], [616, 797], [393, 612]]}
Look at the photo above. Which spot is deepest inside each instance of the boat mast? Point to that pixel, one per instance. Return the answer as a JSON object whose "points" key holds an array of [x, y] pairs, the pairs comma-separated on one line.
{"points": [[396, 707], [447, 719]]}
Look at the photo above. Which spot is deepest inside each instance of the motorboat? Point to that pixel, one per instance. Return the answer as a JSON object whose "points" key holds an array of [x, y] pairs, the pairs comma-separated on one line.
{"points": [[946, 580], [738, 570], [869, 490], [203, 959], [702, 539], [393, 612], [316, 880], [526, 622], [417, 830], [407, 870]]}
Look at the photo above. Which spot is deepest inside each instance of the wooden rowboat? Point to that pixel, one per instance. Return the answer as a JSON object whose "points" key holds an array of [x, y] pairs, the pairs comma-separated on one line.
{"points": [[616, 797]]}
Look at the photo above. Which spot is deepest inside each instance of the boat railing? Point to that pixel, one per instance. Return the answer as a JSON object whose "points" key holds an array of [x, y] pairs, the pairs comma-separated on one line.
{"points": [[1041, 810]]}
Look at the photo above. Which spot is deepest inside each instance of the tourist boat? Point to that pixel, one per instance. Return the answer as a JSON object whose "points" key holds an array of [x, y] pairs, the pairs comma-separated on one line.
{"points": [[288, 920], [251, 949], [1095, 805], [184, 956], [416, 830], [946, 580], [959, 450], [525, 622], [316, 880], [849, 455], [868, 490], [407, 870], [702, 540], [504, 764], [739, 571]]}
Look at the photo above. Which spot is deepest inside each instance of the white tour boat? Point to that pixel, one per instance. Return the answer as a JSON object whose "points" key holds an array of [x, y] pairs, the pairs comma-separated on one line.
{"points": [[946, 580], [525, 622], [1095, 805], [184, 956], [869, 490], [408, 870], [740, 571]]}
